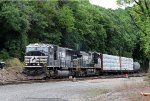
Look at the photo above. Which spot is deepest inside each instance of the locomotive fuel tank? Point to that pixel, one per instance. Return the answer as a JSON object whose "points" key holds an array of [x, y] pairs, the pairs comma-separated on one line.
{"points": [[62, 73]]}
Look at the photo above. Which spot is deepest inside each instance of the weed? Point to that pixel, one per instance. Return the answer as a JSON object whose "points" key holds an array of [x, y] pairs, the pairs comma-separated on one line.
{"points": [[14, 63]]}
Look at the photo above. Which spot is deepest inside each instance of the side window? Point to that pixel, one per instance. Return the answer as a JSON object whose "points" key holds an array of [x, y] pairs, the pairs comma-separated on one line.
{"points": [[55, 55], [95, 58]]}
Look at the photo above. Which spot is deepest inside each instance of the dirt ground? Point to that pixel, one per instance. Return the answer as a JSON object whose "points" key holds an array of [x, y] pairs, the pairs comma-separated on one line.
{"points": [[126, 91], [10, 74], [116, 89]]}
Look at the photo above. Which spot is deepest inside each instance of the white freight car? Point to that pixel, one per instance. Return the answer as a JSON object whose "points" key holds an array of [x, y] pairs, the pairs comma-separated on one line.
{"points": [[116, 63]]}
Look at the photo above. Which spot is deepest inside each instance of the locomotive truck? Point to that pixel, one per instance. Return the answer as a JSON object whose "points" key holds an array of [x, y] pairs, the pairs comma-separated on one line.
{"points": [[48, 60]]}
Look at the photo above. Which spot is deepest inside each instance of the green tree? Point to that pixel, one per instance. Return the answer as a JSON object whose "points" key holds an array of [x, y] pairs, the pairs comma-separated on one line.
{"points": [[15, 19], [140, 14], [74, 24]]}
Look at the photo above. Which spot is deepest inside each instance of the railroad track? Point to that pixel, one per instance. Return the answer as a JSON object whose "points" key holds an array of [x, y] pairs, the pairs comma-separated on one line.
{"points": [[67, 79]]}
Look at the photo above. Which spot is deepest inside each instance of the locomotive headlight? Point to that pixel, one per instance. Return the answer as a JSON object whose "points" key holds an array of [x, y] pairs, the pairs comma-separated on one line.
{"points": [[26, 64], [38, 64]]}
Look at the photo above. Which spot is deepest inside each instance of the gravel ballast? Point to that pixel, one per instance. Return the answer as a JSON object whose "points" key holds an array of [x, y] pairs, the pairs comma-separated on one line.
{"points": [[86, 90]]}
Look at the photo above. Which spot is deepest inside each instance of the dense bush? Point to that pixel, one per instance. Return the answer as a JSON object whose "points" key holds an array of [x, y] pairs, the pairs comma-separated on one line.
{"points": [[14, 63]]}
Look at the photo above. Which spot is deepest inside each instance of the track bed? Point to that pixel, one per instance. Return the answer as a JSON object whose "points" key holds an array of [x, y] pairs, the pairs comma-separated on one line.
{"points": [[73, 79]]}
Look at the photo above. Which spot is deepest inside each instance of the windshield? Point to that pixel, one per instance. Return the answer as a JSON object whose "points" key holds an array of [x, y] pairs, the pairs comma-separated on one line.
{"points": [[35, 53], [42, 49]]}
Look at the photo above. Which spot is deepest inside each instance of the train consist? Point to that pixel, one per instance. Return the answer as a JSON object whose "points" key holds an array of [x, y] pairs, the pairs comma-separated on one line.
{"points": [[48, 60]]}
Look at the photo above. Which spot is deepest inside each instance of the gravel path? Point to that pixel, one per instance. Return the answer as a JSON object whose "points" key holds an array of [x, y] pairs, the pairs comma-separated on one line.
{"points": [[64, 90]]}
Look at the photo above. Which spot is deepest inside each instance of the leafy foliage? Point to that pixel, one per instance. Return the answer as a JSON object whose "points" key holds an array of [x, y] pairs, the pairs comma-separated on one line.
{"points": [[140, 15], [74, 24]]}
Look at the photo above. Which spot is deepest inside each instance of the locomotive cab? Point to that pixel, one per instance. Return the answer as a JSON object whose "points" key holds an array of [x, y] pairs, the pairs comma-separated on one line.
{"points": [[36, 59], [36, 56]]}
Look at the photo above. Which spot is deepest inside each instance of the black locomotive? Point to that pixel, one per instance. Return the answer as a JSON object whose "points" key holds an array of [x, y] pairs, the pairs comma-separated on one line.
{"points": [[48, 60]]}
